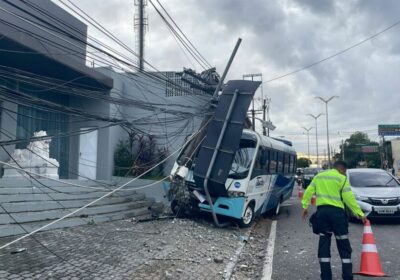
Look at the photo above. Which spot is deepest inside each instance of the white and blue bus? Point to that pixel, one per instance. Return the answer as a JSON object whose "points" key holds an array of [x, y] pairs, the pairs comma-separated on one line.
{"points": [[260, 180]]}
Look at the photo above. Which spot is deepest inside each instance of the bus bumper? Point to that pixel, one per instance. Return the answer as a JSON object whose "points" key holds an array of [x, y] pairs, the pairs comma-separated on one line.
{"points": [[231, 207]]}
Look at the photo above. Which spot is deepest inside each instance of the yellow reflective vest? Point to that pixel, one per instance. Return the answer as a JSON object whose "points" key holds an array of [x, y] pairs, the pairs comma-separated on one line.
{"points": [[327, 186]]}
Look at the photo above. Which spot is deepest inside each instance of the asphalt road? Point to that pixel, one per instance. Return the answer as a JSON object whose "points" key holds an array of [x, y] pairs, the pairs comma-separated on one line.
{"points": [[295, 253]]}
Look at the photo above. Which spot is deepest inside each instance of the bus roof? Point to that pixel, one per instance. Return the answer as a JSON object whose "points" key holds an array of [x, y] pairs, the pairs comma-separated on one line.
{"points": [[270, 142]]}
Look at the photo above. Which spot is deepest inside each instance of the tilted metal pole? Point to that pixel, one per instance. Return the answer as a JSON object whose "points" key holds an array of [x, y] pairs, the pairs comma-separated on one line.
{"points": [[214, 156], [221, 81]]}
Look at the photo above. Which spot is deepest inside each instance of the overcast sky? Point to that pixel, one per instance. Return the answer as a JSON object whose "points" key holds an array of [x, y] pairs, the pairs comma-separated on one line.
{"points": [[279, 37]]}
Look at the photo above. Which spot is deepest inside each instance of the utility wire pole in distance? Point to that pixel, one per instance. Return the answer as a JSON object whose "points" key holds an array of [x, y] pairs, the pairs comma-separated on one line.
{"points": [[326, 101], [308, 140], [316, 132], [253, 110]]}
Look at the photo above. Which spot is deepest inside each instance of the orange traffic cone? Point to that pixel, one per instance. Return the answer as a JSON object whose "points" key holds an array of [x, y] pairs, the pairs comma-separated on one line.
{"points": [[300, 193], [370, 263], [313, 200]]}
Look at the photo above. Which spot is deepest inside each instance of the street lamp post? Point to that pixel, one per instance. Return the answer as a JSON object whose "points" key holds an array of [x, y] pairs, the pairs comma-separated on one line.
{"points": [[327, 125], [316, 132], [308, 140]]}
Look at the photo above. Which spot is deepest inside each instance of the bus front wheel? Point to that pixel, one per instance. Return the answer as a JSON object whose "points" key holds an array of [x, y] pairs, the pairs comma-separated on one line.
{"points": [[248, 217]]}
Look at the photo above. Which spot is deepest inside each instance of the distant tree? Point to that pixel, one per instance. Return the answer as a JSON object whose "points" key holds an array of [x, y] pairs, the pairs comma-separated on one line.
{"points": [[353, 153], [303, 162]]}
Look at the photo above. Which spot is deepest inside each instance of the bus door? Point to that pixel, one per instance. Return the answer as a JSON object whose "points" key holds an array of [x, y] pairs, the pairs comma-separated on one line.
{"points": [[260, 182]]}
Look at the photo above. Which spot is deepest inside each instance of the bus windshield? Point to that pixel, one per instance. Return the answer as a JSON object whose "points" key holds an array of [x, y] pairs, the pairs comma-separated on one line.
{"points": [[243, 159]]}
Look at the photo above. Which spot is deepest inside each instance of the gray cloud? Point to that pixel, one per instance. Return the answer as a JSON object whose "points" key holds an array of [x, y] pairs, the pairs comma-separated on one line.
{"points": [[281, 36]]}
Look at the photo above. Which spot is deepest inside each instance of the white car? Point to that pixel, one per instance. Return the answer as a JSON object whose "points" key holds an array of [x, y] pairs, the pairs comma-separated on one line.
{"points": [[376, 191]]}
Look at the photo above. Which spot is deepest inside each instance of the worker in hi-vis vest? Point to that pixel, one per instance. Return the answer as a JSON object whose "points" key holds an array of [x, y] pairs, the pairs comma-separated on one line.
{"points": [[333, 192]]}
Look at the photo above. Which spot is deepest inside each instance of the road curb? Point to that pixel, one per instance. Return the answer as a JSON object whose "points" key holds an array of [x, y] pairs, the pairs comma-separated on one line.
{"points": [[232, 264]]}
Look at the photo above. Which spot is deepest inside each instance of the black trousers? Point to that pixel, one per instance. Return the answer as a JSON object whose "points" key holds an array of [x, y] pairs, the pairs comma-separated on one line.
{"points": [[333, 220]]}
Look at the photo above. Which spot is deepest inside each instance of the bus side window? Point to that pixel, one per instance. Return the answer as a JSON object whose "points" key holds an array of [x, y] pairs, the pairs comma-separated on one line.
{"points": [[260, 163], [257, 169], [292, 165], [287, 164], [264, 160], [280, 162], [272, 162]]}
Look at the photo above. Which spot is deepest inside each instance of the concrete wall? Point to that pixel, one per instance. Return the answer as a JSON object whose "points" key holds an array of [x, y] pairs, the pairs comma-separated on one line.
{"points": [[104, 169], [7, 125], [137, 86]]}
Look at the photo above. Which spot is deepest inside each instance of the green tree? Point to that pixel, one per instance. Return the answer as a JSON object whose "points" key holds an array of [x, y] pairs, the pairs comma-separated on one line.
{"points": [[303, 162], [353, 153], [122, 158]]}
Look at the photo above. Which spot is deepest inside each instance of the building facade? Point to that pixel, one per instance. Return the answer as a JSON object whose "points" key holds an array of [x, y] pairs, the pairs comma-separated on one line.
{"points": [[45, 84]]}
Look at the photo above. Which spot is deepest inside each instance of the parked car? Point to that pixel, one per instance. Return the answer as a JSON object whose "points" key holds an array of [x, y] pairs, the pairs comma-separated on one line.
{"points": [[376, 191], [308, 175]]}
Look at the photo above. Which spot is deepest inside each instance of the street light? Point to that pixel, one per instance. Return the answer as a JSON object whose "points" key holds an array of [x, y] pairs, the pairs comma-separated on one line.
{"points": [[316, 132], [327, 127], [308, 140]]}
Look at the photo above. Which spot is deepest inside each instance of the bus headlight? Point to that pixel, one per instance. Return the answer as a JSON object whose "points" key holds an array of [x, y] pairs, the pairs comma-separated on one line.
{"points": [[235, 194]]}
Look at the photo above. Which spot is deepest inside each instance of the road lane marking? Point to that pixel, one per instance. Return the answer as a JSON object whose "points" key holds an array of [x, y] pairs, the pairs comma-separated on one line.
{"points": [[269, 256]]}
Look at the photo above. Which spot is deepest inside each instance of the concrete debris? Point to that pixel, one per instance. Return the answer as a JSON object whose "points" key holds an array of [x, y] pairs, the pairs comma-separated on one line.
{"points": [[168, 275]]}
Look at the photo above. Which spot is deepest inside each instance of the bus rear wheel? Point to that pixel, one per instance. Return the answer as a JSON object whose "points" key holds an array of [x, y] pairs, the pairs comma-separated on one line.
{"points": [[247, 218]]}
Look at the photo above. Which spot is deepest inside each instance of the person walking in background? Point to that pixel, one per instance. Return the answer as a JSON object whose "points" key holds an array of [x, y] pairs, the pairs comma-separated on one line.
{"points": [[333, 193]]}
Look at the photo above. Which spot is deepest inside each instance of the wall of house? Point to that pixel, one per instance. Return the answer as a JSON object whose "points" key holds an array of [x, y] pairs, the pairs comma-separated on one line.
{"points": [[8, 125], [137, 86]]}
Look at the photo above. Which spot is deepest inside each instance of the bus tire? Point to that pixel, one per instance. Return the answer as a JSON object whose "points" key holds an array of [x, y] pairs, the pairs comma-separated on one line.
{"points": [[248, 217]]}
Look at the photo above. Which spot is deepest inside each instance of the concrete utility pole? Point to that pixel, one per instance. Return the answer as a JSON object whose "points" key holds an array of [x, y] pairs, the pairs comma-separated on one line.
{"points": [[253, 110], [308, 140], [316, 132], [140, 23], [326, 101]]}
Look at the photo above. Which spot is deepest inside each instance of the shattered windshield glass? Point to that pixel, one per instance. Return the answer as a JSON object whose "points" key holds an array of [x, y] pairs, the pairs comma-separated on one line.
{"points": [[243, 158]]}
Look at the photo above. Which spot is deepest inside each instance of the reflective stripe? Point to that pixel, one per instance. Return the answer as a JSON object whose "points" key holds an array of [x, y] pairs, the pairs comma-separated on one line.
{"points": [[312, 184], [329, 197], [346, 260], [342, 237], [324, 259], [369, 248], [326, 177], [328, 233], [347, 189], [367, 229]]}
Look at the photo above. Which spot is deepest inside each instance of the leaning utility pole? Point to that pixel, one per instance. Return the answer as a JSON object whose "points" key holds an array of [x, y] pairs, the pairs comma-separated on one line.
{"points": [[253, 110], [140, 22]]}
